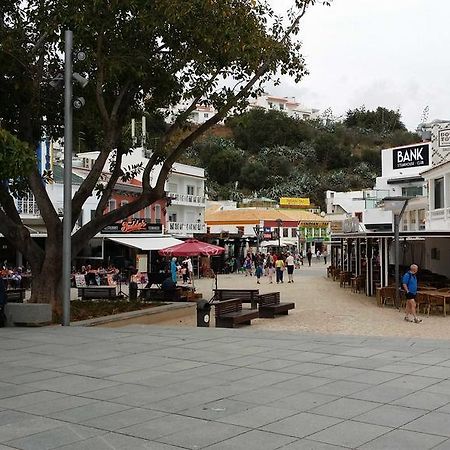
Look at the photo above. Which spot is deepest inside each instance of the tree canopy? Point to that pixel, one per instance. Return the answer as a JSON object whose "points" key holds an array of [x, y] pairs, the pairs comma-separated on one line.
{"points": [[142, 55]]}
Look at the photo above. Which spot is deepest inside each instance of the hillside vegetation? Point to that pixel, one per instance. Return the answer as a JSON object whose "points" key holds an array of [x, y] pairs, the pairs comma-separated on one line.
{"points": [[270, 154]]}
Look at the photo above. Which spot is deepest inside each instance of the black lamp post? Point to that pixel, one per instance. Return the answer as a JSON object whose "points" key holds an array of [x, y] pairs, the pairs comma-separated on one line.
{"points": [[279, 225]]}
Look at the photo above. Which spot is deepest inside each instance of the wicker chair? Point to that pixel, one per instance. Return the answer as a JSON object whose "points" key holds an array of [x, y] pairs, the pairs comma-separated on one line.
{"points": [[388, 295]]}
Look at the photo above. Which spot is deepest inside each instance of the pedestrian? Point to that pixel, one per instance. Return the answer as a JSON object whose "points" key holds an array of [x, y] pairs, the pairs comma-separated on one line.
{"points": [[309, 256], [318, 253], [280, 267], [325, 254], [248, 265], [290, 264], [409, 285], [190, 268], [173, 269], [258, 272], [271, 272]]}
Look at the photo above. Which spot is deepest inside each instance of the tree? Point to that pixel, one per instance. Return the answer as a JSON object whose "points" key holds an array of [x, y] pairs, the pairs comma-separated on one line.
{"points": [[382, 120], [258, 128], [142, 55]]}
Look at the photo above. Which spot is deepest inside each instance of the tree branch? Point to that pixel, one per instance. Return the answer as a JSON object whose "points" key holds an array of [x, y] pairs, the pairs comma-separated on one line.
{"points": [[100, 79]]}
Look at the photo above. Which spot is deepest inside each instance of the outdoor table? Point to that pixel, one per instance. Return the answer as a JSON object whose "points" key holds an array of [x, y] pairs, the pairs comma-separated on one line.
{"points": [[432, 293]]}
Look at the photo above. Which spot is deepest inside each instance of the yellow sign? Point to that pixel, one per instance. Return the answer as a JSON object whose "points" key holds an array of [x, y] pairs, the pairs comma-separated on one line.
{"points": [[287, 201]]}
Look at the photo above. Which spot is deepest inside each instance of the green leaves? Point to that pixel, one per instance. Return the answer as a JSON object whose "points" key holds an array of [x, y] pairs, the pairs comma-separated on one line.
{"points": [[16, 158]]}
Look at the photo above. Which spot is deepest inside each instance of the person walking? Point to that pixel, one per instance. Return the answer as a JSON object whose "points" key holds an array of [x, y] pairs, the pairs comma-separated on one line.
{"points": [[309, 256], [259, 271], [280, 267], [290, 264], [271, 272], [409, 285], [325, 254]]}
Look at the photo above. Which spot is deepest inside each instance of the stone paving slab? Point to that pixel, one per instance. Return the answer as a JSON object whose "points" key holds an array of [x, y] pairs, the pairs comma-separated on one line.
{"points": [[159, 388]]}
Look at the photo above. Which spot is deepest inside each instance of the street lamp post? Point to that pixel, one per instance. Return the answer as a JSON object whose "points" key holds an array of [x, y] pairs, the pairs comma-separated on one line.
{"points": [[67, 221], [257, 230], [397, 205], [279, 224]]}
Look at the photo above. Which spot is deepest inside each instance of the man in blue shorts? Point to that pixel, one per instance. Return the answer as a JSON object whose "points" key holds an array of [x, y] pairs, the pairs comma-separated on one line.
{"points": [[409, 285]]}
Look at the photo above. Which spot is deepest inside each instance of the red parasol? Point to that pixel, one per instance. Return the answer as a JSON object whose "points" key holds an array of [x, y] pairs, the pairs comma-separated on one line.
{"points": [[192, 247]]}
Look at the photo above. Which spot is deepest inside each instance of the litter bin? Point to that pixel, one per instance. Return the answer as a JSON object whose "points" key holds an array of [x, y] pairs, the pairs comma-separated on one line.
{"points": [[133, 290], [203, 313]]}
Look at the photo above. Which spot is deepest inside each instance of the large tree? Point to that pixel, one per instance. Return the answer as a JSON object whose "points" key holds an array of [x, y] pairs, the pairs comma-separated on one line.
{"points": [[141, 55]]}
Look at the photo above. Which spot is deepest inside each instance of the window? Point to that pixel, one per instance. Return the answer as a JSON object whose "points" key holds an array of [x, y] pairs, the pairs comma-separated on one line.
{"points": [[111, 205], [190, 190], [286, 232], [270, 105], [439, 193], [172, 217], [412, 191], [205, 115], [281, 106], [294, 232], [157, 213]]}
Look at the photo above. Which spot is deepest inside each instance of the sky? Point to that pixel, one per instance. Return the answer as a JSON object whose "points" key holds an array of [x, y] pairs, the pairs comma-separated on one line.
{"points": [[391, 53]]}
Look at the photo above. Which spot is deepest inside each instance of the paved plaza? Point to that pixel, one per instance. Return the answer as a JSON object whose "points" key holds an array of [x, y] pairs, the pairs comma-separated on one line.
{"points": [[150, 387]]}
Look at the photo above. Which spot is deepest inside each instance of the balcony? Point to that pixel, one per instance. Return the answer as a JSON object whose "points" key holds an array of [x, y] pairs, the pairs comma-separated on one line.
{"points": [[187, 199], [186, 228]]}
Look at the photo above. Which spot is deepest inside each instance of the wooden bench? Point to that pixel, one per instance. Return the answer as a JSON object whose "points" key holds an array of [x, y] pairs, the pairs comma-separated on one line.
{"points": [[157, 294], [229, 313], [245, 295], [270, 305], [15, 295], [97, 292]]}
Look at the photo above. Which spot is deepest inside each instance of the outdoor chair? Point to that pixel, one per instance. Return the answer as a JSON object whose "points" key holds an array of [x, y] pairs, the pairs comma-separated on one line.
{"points": [[345, 278], [423, 302], [388, 296]]}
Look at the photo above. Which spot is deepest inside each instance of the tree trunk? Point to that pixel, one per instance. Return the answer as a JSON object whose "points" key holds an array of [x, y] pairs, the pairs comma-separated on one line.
{"points": [[46, 285]]}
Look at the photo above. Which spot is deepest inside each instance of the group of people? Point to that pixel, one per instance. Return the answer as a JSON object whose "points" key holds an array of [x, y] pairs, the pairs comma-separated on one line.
{"points": [[271, 265], [184, 269], [13, 275]]}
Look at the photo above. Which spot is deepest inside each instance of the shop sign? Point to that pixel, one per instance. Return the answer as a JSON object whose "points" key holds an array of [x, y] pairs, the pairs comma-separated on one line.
{"points": [[288, 201], [133, 226], [267, 236], [444, 138], [412, 156]]}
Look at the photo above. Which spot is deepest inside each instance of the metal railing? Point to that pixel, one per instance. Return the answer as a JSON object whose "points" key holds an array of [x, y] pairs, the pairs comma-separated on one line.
{"points": [[27, 206], [187, 227], [187, 198]]}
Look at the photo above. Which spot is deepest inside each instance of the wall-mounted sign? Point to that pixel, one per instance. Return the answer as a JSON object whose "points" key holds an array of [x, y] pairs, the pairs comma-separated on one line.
{"points": [[287, 201], [133, 226], [412, 156], [444, 138]]}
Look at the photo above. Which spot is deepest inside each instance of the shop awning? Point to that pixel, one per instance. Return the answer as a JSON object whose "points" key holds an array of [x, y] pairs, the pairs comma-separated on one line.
{"points": [[147, 243]]}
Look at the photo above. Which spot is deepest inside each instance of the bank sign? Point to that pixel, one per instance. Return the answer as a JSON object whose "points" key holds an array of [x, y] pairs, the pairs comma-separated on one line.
{"points": [[412, 156]]}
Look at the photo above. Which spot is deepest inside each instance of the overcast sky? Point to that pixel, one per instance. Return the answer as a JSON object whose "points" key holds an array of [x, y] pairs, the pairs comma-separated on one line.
{"points": [[392, 53]]}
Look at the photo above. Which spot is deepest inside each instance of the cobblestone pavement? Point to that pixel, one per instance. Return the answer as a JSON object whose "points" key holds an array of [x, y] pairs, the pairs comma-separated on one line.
{"points": [[149, 387]]}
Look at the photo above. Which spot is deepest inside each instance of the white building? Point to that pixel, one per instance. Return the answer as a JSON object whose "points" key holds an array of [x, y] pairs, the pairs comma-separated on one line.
{"points": [[288, 105], [185, 188]]}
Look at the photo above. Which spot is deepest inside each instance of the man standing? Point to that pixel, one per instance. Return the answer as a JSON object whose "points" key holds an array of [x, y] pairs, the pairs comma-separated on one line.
{"points": [[290, 267], [409, 285], [280, 267], [309, 256]]}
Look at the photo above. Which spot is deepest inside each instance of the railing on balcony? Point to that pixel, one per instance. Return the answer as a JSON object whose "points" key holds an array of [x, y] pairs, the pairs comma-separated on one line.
{"points": [[27, 206], [437, 214], [187, 198], [183, 227]]}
